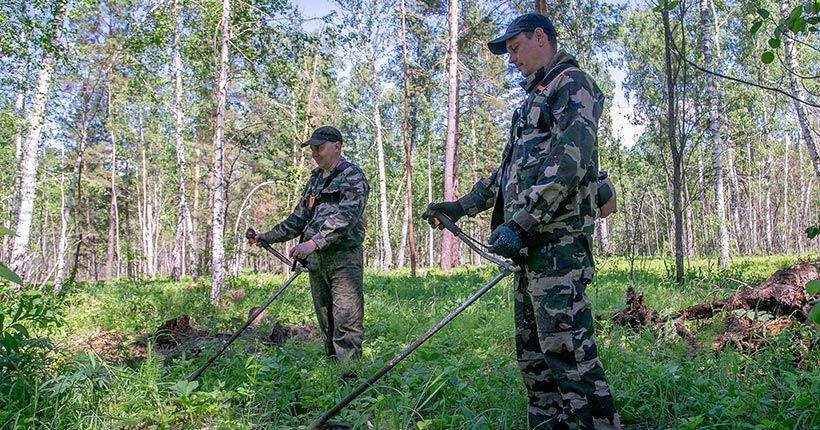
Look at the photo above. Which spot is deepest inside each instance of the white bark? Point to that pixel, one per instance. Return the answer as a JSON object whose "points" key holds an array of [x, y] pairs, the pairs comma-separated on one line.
{"points": [[387, 250], [734, 199], [28, 163], [802, 111], [184, 221], [786, 169], [218, 190], [237, 263], [714, 134], [63, 243], [113, 210], [20, 117], [751, 214], [767, 209]]}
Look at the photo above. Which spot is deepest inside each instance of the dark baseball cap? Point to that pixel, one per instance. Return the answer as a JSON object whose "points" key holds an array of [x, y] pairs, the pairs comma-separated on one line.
{"points": [[524, 23], [322, 135]]}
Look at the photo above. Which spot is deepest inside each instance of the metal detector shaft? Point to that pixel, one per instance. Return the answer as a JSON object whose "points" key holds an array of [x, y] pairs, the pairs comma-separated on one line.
{"points": [[298, 271], [370, 381], [453, 228], [245, 326]]}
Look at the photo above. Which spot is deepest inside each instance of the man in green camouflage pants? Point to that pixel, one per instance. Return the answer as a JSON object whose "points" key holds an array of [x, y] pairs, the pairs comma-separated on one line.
{"points": [[543, 218], [330, 220]]}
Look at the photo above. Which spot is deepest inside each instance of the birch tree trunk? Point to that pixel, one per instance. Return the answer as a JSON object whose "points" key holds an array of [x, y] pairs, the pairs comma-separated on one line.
{"points": [[28, 159], [218, 190], [113, 227], [802, 111], [785, 204], [184, 222], [449, 244], [430, 232], [20, 116], [714, 134], [769, 227], [147, 218], [387, 250], [751, 218]]}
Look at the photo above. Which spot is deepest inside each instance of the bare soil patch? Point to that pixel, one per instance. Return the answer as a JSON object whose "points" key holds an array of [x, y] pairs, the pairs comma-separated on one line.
{"points": [[177, 336]]}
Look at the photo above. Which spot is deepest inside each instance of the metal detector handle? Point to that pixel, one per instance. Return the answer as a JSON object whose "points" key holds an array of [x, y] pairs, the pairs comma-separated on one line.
{"points": [[250, 234], [446, 222]]}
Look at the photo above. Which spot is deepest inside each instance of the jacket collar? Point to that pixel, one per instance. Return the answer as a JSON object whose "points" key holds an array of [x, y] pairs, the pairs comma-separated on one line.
{"points": [[534, 79]]}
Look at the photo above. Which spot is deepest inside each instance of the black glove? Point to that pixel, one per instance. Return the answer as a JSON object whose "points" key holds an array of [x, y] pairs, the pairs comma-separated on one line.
{"points": [[452, 210], [507, 240], [263, 237]]}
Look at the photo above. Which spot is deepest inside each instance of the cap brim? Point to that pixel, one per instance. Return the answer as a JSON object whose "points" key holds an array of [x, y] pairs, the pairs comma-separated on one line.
{"points": [[498, 46], [313, 142]]}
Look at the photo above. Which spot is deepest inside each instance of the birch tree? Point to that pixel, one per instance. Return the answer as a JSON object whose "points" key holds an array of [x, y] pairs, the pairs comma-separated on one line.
{"points": [[714, 132], [185, 225], [218, 188], [801, 110], [28, 161], [113, 210]]}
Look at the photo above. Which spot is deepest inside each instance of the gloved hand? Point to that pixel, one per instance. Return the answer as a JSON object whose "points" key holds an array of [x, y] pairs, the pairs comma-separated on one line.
{"points": [[301, 251], [452, 210], [257, 237], [507, 240]]}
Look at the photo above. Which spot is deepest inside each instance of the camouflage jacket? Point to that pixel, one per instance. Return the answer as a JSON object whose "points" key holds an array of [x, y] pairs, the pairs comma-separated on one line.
{"points": [[547, 178], [337, 218]]}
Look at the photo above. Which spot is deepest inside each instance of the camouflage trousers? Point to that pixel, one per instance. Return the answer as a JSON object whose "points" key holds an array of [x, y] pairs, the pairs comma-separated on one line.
{"points": [[556, 351], [336, 286]]}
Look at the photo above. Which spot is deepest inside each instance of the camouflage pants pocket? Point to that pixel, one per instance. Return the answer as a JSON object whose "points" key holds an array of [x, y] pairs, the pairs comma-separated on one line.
{"points": [[553, 312]]}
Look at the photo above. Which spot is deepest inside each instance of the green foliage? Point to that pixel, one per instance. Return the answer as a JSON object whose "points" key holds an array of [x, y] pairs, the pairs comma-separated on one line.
{"points": [[812, 232], [5, 272], [802, 20], [813, 288], [465, 377], [26, 319]]}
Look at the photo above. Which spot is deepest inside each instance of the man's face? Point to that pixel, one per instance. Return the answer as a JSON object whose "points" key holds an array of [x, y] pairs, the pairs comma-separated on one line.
{"points": [[326, 154], [529, 54]]}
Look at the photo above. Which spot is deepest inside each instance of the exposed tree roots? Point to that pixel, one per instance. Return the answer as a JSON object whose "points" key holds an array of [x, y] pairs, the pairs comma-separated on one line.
{"points": [[758, 313]]}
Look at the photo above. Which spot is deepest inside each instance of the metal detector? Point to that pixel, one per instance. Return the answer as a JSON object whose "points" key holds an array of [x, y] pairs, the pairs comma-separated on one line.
{"points": [[505, 267], [298, 269]]}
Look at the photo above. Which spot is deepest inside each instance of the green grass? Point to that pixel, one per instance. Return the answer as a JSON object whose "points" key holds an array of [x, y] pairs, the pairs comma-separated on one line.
{"points": [[463, 378]]}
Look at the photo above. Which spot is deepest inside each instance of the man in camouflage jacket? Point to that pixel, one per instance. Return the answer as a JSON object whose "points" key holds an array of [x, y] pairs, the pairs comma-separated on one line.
{"points": [[543, 197], [330, 220]]}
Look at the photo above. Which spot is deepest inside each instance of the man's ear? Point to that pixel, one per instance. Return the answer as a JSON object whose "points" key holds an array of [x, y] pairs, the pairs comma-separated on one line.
{"points": [[539, 34]]}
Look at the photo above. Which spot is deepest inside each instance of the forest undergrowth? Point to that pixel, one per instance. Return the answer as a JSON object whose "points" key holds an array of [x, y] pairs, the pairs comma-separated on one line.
{"points": [[91, 358]]}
